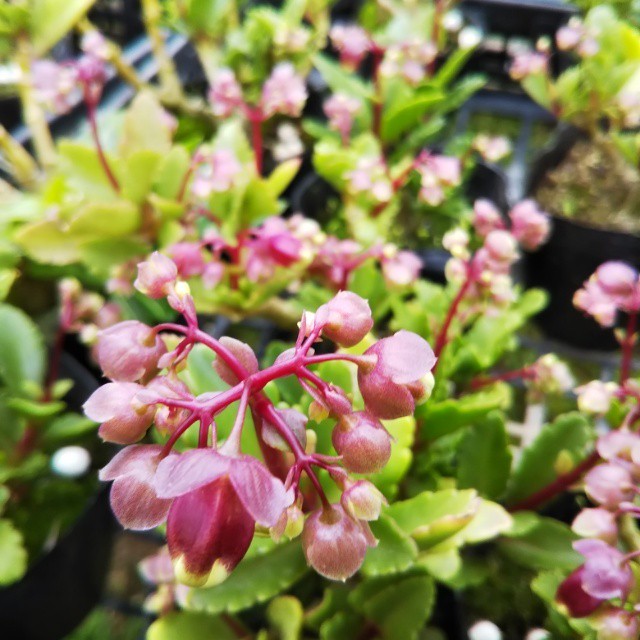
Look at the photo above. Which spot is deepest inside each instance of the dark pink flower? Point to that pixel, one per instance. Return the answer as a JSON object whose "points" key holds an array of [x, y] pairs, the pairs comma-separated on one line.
{"points": [[124, 419], [572, 595], [133, 498], [345, 319], [129, 351], [156, 276], [217, 500], [334, 544], [362, 442], [392, 386], [606, 573]]}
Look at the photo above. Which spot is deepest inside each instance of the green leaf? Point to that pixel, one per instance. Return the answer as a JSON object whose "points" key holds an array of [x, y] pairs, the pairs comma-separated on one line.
{"points": [[255, 580], [568, 434], [484, 458], [280, 178], [13, 556], [452, 66], [7, 278], [343, 626], [398, 605], [35, 409], [395, 551], [22, 349], [285, 615], [339, 80], [434, 516], [545, 546], [185, 625], [442, 418], [144, 128], [44, 241], [405, 115], [80, 165], [67, 427], [105, 220], [51, 20], [171, 173], [139, 174]]}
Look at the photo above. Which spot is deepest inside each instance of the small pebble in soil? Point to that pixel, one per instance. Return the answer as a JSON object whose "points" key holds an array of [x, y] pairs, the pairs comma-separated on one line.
{"points": [[70, 462], [485, 630]]}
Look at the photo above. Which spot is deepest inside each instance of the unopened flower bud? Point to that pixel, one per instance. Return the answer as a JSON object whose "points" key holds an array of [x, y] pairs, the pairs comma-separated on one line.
{"points": [[347, 318], [596, 396], [362, 441], [486, 217], [596, 523], [243, 353], [156, 276], [295, 421], [334, 544], [129, 351], [609, 485], [362, 500], [501, 246], [290, 524]]}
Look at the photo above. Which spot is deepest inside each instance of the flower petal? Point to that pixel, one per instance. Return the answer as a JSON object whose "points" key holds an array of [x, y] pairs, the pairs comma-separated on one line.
{"points": [[185, 472], [262, 494], [138, 459], [136, 505], [406, 357]]}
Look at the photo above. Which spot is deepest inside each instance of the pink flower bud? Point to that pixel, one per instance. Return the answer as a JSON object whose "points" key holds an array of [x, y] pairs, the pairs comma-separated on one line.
{"points": [[609, 485], [188, 258], [225, 93], [486, 217], [618, 445], [393, 385], [334, 544], [290, 524], [129, 351], [337, 401], [243, 353], [296, 423], [617, 624], [341, 110], [283, 92], [347, 318], [530, 226], [362, 500], [352, 42], [528, 64], [124, 420], [501, 246], [596, 302], [362, 441], [596, 523], [156, 276], [617, 279], [400, 269]]}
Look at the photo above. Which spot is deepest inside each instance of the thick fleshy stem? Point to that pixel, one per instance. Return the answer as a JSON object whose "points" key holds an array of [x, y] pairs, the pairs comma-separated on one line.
{"points": [[443, 335], [627, 344]]}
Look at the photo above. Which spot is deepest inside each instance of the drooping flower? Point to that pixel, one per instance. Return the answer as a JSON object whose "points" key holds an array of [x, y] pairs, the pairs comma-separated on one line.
{"points": [[156, 276], [217, 500], [400, 377], [346, 318]]}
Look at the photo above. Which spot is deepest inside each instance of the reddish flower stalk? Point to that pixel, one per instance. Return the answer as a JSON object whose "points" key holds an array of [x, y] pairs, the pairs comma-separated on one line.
{"points": [[104, 163], [482, 381], [627, 344], [443, 336], [256, 119]]}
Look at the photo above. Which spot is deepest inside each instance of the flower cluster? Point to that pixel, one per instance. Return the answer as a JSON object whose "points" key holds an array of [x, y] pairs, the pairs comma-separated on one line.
{"points": [[576, 36], [352, 42], [613, 288], [214, 495], [438, 173], [491, 148], [486, 272], [283, 92], [409, 60]]}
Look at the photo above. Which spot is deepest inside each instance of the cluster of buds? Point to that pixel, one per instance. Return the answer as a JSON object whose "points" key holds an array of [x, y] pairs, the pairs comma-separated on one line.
{"points": [[213, 172], [213, 496], [409, 61], [284, 92], [575, 36], [613, 288], [486, 272], [528, 63], [370, 178], [341, 111], [352, 42], [601, 586], [438, 174]]}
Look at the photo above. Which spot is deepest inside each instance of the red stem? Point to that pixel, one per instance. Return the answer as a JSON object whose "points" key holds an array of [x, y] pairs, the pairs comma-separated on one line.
{"points": [[558, 486], [93, 123], [441, 340], [627, 348], [256, 119], [482, 381]]}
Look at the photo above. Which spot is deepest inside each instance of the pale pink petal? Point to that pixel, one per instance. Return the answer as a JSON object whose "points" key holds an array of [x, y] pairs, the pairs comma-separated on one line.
{"points": [[406, 357]]}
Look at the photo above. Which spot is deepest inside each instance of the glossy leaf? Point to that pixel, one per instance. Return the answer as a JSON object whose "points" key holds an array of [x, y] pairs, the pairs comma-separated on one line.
{"points": [[13, 557], [395, 552], [180, 625], [51, 20]]}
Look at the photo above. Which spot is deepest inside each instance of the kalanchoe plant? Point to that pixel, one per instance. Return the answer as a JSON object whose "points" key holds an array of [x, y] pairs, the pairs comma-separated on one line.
{"points": [[598, 96], [213, 496]]}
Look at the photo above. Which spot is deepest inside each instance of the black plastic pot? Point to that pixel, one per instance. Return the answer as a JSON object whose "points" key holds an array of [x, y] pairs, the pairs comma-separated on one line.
{"points": [[66, 583], [571, 255]]}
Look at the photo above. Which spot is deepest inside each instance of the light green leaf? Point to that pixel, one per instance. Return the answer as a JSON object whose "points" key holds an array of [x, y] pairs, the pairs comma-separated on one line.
{"points": [[570, 434], [339, 80], [139, 174], [44, 241], [405, 115], [13, 556], [395, 551], [105, 220], [185, 625], [255, 580], [144, 128], [35, 409], [22, 349], [66, 427], [280, 178], [484, 458], [285, 615], [441, 564], [51, 20]]}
